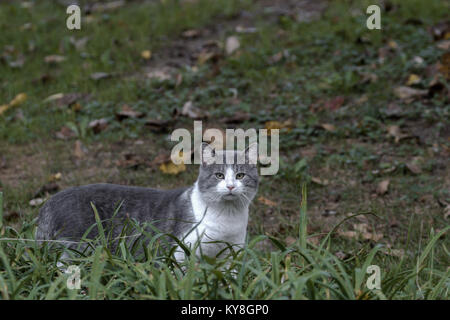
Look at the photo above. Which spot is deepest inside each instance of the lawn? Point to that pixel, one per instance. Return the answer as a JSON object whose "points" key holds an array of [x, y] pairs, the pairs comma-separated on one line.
{"points": [[364, 135]]}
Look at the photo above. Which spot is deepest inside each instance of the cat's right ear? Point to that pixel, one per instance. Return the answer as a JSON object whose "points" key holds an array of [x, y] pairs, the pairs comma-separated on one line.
{"points": [[208, 154]]}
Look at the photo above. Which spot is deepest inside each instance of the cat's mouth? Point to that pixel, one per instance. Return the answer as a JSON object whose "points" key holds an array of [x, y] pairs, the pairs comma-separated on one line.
{"points": [[230, 196]]}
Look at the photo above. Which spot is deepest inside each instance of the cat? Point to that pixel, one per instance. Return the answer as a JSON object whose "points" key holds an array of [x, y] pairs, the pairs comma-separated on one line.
{"points": [[210, 215]]}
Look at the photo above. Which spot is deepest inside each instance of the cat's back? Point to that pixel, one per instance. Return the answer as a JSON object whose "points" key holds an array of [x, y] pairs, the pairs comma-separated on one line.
{"points": [[73, 206]]}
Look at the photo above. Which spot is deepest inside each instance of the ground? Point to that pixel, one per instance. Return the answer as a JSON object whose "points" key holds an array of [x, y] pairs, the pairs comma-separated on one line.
{"points": [[364, 114]]}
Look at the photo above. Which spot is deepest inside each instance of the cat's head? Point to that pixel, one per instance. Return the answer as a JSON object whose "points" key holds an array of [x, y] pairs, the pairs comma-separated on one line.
{"points": [[234, 180]]}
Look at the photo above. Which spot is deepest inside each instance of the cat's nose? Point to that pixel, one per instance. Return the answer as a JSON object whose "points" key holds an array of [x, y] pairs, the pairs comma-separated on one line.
{"points": [[230, 187]]}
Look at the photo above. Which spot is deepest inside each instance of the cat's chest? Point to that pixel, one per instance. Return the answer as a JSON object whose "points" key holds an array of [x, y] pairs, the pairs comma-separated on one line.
{"points": [[219, 225]]}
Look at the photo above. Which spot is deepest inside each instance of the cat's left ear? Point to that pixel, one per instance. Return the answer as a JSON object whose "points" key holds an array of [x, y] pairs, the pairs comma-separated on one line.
{"points": [[208, 154], [251, 153]]}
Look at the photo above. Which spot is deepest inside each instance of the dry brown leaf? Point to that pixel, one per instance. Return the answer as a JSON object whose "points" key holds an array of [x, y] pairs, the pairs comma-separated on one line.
{"points": [[107, 6], [382, 187], [65, 133], [160, 75], [414, 167], [192, 33], [322, 182], [158, 126], [205, 56], [407, 93], [237, 117], [190, 111], [444, 45], [54, 59], [394, 131], [447, 212], [128, 112], [78, 151], [328, 127], [267, 202], [290, 240], [100, 76], [98, 125]]}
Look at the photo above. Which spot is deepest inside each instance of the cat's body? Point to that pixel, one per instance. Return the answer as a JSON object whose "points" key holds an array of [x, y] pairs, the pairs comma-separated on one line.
{"points": [[214, 209]]}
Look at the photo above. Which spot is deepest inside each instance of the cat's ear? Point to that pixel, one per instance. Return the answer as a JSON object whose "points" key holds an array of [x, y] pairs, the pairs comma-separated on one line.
{"points": [[208, 154], [251, 153]]}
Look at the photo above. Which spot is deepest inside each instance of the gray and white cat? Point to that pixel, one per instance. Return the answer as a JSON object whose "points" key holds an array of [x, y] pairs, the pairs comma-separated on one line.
{"points": [[212, 212]]}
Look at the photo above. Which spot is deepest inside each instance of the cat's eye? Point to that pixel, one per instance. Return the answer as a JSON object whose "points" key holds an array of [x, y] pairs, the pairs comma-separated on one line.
{"points": [[240, 176], [220, 175]]}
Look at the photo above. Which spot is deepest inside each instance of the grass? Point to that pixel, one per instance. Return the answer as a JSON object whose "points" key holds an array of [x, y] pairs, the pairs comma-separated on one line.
{"points": [[334, 56], [296, 271]]}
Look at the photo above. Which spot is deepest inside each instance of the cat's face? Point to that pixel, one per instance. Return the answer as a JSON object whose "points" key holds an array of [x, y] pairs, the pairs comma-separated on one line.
{"points": [[228, 182]]}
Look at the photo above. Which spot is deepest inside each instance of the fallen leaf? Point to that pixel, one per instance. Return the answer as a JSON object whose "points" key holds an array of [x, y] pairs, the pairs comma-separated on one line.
{"points": [[65, 133], [146, 54], [271, 125], [413, 79], [267, 202], [36, 202], [79, 44], [382, 187], [190, 111], [54, 59], [50, 187], [191, 33], [394, 131], [240, 29], [78, 151], [99, 76], [107, 6], [158, 126], [444, 45], [328, 127], [160, 75], [55, 177], [98, 125], [18, 100], [276, 58], [172, 168], [204, 56], [447, 212], [322, 182], [290, 240], [128, 112], [407, 93], [232, 44], [131, 161], [237, 117], [68, 99], [444, 67], [414, 167]]}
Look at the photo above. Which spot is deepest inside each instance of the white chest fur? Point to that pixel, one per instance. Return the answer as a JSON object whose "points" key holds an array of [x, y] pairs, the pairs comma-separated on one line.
{"points": [[215, 227]]}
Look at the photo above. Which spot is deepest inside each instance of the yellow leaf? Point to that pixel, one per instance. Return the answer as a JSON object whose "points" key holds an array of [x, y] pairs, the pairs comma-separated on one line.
{"points": [[19, 99], [171, 168], [413, 79], [273, 125], [55, 177], [146, 54], [267, 202]]}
